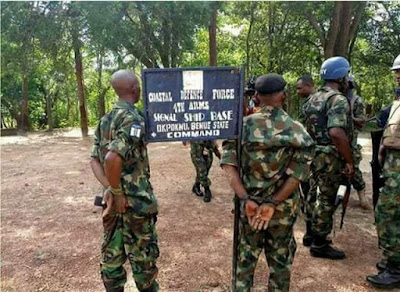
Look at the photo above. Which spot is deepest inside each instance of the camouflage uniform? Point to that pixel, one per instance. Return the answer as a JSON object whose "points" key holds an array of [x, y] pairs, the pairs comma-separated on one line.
{"points": [[326, 109], [201, 153], [357, 107], [387, 213], [130, 235], [309, 188], [274, 147]]}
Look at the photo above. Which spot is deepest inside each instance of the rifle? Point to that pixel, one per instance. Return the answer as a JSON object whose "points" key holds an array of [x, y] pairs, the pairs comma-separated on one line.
{"points": [[345, 201]]}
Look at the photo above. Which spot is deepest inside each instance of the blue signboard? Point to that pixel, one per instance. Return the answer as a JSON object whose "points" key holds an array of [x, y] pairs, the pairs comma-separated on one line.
{"points": [[193, 103]]}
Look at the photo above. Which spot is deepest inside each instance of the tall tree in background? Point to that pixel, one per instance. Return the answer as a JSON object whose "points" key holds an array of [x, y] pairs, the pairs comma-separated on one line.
{"points": [[74, 15], [213, 33], [344, 21]]}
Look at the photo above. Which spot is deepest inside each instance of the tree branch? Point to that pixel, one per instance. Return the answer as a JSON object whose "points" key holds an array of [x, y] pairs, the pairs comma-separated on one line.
{"points": [[319, 30], [356, 20]]}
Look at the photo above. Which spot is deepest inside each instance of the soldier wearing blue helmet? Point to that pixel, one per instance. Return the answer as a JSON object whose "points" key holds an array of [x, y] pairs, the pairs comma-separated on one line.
{"points": [[327, 119]]}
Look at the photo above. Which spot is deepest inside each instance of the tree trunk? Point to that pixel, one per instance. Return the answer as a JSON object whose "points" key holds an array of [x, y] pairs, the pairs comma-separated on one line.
{"points": [[49, 112], [101, 102], [24, 117], [213, 34], [253, 8], [80, 88]]}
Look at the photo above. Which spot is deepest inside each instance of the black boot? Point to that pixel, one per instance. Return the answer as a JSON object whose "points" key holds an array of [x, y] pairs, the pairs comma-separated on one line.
{"points": [[308, 237], [381, 265], [388, 279], [321, 248], [196, 190], [207, 194]]}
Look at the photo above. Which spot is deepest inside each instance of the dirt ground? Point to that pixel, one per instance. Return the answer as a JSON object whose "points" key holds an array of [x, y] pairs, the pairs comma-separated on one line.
{"points": [[51, 233]]}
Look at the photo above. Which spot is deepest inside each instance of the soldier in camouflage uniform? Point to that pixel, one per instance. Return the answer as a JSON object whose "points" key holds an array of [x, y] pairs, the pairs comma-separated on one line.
{"points": [[328, 122], [387, 211], [119, 159], [201, 153], [275, 157], [308, 195], [357, 111]]}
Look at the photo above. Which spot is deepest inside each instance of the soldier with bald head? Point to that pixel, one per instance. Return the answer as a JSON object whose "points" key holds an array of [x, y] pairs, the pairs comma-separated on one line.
{"points": [[120, 163]]}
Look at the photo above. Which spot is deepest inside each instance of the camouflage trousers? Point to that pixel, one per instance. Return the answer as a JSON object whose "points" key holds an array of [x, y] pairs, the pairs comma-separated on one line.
{"points": [[133, 237], [278, 244], [327, 170], [387, 212], [357, 181], [308, 198], [202, 159]]}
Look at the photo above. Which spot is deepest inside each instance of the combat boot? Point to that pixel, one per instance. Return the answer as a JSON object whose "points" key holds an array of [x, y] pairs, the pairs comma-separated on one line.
{"points": [[381, 265], [388, 279], [308, 237], [207, 194], [363, 200], [196, 190], [321, 248]]}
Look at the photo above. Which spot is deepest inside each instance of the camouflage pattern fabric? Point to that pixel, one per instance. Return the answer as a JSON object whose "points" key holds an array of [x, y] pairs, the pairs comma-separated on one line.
{"points": [[278, 243], [357, 181], [357, 107], [387, 212], [326, 109], [201, 153], [273, 147], [308, 201], [131, 235]]}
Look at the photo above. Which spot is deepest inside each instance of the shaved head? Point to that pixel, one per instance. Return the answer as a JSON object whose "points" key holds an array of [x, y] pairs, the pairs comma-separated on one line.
{"points": [[126, 84]]}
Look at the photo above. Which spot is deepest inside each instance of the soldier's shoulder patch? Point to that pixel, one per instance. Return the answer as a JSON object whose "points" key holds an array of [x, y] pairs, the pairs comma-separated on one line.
{"points": [[136, 130]]}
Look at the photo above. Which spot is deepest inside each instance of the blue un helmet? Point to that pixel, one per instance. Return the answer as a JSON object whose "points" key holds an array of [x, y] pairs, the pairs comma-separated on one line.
{"points": [[335, 68]]}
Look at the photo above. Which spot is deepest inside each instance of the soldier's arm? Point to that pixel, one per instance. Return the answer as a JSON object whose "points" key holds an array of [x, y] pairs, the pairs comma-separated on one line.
{"points": [[95, 163], [359, 114], [337, 123], [235, 181]]}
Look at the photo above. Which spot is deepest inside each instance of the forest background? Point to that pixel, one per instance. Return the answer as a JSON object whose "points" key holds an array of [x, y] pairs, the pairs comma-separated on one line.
{"points": [[57, 57]]}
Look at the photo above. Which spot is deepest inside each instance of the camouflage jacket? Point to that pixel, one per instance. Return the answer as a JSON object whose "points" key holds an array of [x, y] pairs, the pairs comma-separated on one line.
{"points": [[302, 114], [326, 109], [273, 147], [357, 109], [122, 131]]}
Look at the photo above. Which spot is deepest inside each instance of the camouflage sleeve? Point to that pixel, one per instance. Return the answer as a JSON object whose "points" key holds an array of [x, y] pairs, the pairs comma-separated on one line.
{"points": [[359, 109], [337, 112], [299, 166], [229, 153], [96, 143], [126, 134]]}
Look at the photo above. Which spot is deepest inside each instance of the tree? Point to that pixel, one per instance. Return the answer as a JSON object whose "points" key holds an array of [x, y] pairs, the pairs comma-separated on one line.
{"points": [[213, 33], [344, 21]]}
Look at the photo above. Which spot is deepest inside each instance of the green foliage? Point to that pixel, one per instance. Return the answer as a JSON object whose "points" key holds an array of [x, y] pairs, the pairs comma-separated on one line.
{"points": [[37, 39]]}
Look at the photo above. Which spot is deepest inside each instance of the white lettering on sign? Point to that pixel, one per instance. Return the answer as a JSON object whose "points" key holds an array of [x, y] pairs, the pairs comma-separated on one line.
{"points": [[223, 93], [172, 127], [191, 94], [195, 134], [221, 116], [160, 97], [198, 117], [159, 117], [220, 125], [179, 107], [199, 105], [200, 126]]}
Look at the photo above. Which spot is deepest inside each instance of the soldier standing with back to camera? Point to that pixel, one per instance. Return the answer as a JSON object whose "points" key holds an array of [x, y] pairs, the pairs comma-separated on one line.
{"points": [[305, 88], [387, 211], [327, 119], [120, 162], [275, 157], [357, 111]]}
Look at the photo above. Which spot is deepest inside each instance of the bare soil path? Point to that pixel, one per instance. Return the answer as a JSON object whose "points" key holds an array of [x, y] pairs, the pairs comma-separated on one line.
{"points": [[51, 233]]}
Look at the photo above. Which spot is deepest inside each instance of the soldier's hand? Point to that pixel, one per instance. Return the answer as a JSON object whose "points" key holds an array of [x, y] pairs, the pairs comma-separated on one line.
{"points": [[349, 171], [251, 211], [263, 216], [120, 203], [109, 201]]}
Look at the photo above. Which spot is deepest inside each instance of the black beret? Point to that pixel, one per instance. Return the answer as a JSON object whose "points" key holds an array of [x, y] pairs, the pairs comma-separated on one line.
{"points": [[270, 83]]}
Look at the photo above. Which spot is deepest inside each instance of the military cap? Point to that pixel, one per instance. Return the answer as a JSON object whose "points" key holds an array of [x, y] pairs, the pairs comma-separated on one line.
{"points": [[270, 83]]}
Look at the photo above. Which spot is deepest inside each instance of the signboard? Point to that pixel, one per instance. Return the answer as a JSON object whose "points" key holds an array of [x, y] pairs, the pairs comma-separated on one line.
{"points": [[193, 104]]}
